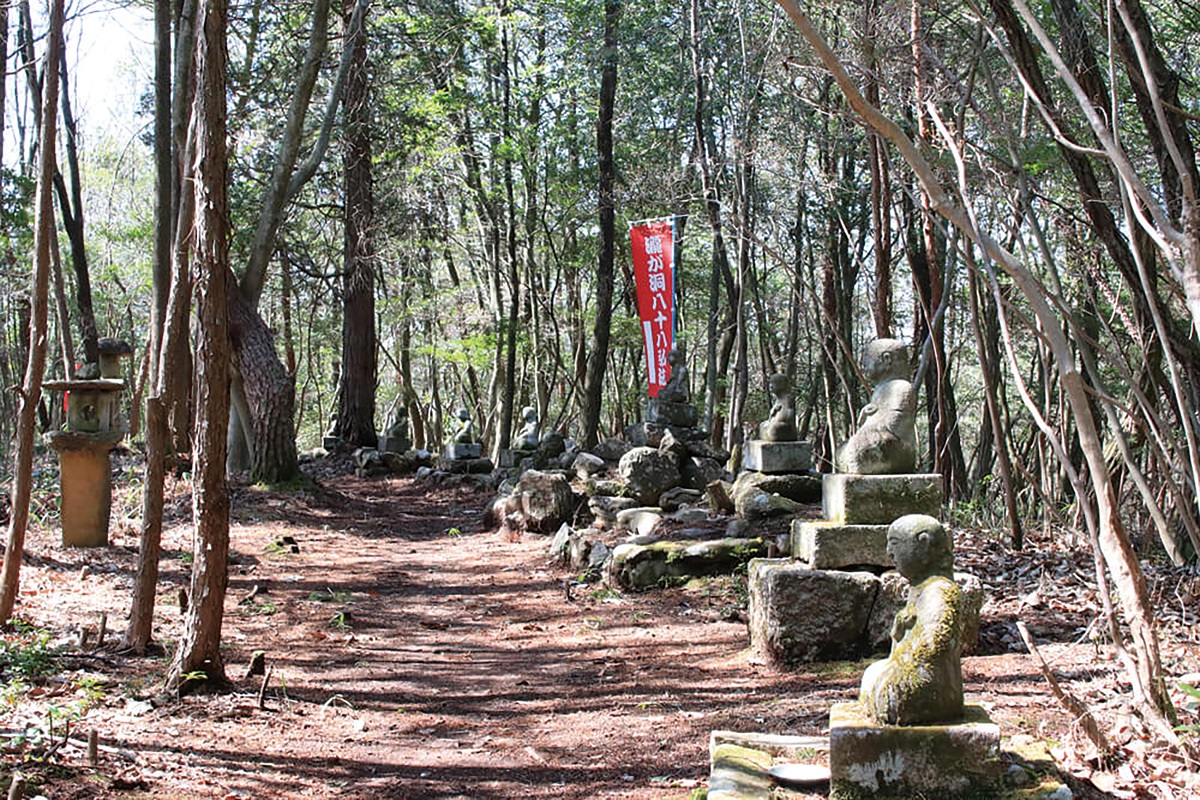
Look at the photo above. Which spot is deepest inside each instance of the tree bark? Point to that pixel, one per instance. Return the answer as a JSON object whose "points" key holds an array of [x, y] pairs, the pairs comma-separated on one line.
{"points": [[31, 387], [356, 392], [199, 646], [598, 355], [139, 632]]}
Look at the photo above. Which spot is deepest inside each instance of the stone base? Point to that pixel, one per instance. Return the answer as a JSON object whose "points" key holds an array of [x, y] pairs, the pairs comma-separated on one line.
{"points": [[682, 415], [462, 452], [800, 615], [467, 466], [85, 481], [330, 443], [394, 444], [832, 545], [880, 499], [957, 761], [778, 458], [510, 458]]}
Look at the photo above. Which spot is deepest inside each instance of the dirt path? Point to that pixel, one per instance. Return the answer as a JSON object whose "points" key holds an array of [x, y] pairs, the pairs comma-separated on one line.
{"points": [[415, 655]]}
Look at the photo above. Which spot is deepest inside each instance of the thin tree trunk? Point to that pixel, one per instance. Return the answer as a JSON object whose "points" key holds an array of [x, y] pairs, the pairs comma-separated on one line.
{"points": [[31, 387], [139, 632], [598, 356], [199, 649], [356, 392]]}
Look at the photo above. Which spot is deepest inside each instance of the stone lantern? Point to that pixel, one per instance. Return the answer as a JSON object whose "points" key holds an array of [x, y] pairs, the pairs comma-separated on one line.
{"points": [[94, 428]]}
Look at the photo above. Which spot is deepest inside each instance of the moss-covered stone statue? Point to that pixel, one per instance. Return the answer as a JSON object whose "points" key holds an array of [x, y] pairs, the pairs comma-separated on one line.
{"points": [[780, 425], [529, 436], [920, 682], [886, 440]]}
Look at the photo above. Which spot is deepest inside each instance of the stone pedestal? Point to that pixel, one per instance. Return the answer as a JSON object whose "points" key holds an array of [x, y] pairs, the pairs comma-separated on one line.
{"points": [[85, 481], [393, 443], [953, 761], [462, 452], [510, 458], [799, 615], [778, 457], [330, 443], [661, 412], [880, 499], [834, 545]]}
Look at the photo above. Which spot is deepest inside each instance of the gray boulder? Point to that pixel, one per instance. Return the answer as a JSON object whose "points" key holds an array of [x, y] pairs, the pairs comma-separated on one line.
{"points": [[641, 521], [648, 473], [611, 450], [546, 500], [586, 465]]}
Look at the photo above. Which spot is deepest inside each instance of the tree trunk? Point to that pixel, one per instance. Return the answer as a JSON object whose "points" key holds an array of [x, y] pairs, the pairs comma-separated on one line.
{"points": [[71, 207], [139, 632], [598, 356], [31, 388], [199, 649], [356, 392]]}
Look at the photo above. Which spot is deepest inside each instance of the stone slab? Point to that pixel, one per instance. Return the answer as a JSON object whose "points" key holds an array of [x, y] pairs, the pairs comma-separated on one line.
{"points": [[799, 615], [740, 763], [880, 499], [668, 563], [330, 443], [778, 458], [834, 545], [958, 761], [462, 452]]}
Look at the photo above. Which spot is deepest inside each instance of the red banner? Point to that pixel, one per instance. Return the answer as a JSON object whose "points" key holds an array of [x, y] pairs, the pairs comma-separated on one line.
{"points": [[654, 276]]}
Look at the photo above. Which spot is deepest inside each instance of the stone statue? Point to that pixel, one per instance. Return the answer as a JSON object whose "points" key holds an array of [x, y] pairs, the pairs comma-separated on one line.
{"points": [[528, 437], [676, 389], [399, 426], [780, 425], [466, 428], [886, 440], [920, 682]]}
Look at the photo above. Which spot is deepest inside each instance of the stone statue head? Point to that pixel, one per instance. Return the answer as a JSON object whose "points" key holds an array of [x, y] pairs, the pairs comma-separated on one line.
{"points": [[678, 355], [529, 414], [885, 359], [779, 384], [921, 547], [463, 414]]}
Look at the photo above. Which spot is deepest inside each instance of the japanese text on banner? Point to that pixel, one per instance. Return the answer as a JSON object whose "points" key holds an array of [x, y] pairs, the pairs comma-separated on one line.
{"points": [[654, 276]]}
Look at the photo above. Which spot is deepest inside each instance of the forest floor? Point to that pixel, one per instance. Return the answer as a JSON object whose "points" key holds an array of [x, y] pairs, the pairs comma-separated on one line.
{"points": [[413, 653]]}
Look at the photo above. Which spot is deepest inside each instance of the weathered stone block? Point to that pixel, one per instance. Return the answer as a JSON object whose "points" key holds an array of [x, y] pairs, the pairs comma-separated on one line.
{"points": [[951, 762], [510, 458], [893, 593], [799, 615], [641, 520], [778, 457], [880, 499], [833, 545], [462, 452], [636, 566], [606, 509]]}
